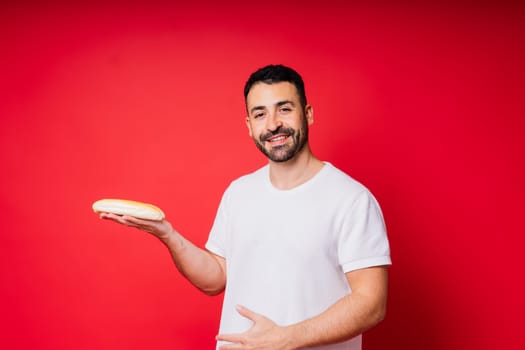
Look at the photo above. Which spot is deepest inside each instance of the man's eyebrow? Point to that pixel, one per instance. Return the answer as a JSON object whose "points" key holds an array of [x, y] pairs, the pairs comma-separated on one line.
{"points": [[282, 103], [278, 104], [257, 108]]}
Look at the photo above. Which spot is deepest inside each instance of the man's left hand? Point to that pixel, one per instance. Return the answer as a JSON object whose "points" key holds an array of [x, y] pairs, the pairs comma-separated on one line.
{"points": [[264, 334]]}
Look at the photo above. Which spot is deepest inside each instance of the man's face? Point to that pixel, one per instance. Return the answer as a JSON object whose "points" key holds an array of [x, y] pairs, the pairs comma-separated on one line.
{"points": [[276, 120]]}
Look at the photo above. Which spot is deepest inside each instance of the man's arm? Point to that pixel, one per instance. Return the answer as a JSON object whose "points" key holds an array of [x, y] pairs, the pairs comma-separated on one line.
{"points": [[351, 315], [202, 268], [347, 318]]}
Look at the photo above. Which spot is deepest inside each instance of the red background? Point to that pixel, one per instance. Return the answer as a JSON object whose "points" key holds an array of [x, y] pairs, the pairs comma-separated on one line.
{"points": [[143, 100]]}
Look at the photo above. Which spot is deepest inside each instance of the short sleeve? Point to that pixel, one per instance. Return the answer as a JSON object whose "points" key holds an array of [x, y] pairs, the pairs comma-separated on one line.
{"points": [[363, 241], [217, 239]]}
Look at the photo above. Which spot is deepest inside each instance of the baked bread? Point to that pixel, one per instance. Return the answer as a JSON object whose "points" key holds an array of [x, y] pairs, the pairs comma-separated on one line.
{"points": [[131, 208]]}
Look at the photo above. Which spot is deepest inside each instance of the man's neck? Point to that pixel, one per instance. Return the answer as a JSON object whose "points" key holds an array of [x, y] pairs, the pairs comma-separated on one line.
{"points": [[296, 171]]}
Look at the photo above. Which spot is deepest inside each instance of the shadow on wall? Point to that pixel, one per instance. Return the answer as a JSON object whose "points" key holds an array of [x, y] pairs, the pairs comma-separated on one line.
{"points": [[413, 314], [415, 305]]}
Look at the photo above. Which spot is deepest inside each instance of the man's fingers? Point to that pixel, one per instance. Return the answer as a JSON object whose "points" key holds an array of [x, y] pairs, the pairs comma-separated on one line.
{"points": [[109, 216], [157, 228], [113, 217], [232, 338], [237, 339], [231, 347], [245, 312], [124, 219]]}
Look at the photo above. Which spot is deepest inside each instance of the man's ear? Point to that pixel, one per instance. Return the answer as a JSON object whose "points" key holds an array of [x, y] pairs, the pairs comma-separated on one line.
{"points": [[309, 114], [248, 125]]}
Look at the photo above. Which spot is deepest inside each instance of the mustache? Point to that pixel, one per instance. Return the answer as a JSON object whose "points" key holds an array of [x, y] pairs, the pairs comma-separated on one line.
{"points": [[280, 130]]}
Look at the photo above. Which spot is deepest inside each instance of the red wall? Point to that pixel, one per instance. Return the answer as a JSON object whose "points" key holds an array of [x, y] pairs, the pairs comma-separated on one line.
{"points": [[423, 104]]}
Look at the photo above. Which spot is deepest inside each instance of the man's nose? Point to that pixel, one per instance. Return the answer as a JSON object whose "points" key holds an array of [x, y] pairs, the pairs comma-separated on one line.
{"points": [[273, 122]]}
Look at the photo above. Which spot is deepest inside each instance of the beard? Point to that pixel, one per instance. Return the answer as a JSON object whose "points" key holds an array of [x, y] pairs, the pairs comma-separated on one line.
{"points": [[285, 152]]}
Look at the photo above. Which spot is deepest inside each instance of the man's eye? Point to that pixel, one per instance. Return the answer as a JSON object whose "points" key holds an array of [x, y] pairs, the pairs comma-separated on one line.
{"points": [[285, 109], [258, 115]]}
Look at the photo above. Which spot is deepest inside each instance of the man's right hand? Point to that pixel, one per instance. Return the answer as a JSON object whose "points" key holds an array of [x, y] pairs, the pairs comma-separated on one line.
{"points": [[160, 229]]}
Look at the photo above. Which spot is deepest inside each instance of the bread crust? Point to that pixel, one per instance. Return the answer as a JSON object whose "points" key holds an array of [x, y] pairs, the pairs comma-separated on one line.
{"points": [[128, 207]]}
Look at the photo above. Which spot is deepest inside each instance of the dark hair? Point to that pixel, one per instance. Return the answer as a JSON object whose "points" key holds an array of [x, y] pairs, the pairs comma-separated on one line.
{"points": [[276, 74]]}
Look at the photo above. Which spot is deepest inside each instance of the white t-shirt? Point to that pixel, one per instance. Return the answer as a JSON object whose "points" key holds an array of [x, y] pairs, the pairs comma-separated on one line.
{"points": [[287, 251]]}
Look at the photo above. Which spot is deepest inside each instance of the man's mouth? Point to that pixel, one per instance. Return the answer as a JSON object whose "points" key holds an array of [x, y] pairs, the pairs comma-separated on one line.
{"points": [[277, 139]]}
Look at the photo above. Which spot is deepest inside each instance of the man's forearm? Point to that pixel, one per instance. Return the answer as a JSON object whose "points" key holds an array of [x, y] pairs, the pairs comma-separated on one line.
{"points": [[347, 318], [199, 266], [342, 321]]}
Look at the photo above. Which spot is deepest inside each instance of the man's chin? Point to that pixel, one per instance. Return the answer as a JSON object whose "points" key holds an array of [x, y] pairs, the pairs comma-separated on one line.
{"points": [[279, 160], [279, 157], [278, 154]]}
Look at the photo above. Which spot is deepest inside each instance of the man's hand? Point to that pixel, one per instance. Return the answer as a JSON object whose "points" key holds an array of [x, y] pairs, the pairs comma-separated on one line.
{"points": [[264, 334], [161, 229], [348, 317]]}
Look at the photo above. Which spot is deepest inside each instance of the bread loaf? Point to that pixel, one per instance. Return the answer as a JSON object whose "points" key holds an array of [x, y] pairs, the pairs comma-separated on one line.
{"points": [[131, 208]]}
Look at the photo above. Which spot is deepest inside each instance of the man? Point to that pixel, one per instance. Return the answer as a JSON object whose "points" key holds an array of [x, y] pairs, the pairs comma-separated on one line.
{"points": [[299, 247]]}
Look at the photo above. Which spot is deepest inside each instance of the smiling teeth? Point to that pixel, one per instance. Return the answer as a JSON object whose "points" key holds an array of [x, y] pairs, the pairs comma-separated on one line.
{"points": [[278, 138]]}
